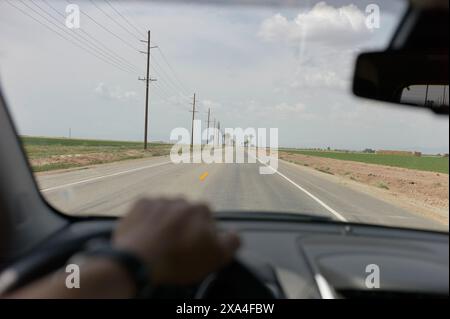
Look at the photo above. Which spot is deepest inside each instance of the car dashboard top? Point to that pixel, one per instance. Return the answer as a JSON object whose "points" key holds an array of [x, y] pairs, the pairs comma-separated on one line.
{"points": [[332, 260], [299, 258]]}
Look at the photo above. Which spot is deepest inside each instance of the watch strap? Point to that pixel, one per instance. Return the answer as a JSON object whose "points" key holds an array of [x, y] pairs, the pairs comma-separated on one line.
{"points": [[137, 269]]}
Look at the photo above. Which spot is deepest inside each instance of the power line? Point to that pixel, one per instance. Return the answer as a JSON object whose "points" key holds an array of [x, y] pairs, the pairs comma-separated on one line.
{"points": [[113, 58], [70, 34], [162, 93], [140, 32], [107, 30], [169, 79], [164, 90], [114, 20], [170, 66], [165, 96], [65, 38], [158, 70], [139, 27], [178, 86], [100, 45], [92, 45], [158, 66], [162, 97]]}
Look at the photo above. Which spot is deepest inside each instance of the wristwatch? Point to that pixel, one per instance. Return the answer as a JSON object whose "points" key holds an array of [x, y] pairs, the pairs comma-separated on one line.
{"points": [[136, 268]]}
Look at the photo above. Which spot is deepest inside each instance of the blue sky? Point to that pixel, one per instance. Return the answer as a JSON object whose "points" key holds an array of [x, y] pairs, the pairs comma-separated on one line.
{"points": [[254, 67]]}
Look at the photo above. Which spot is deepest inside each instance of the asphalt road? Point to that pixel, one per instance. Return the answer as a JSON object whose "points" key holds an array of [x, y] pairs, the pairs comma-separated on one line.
{"points": [[110, 189]]}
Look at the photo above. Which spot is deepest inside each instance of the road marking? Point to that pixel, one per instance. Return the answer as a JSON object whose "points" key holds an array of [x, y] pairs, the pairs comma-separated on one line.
{"points": [[103, 177], [320, 202], [203, 176]]}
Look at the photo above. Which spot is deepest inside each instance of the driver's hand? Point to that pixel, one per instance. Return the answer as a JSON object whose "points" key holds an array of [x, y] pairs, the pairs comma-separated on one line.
{"points": [[177, 239]]}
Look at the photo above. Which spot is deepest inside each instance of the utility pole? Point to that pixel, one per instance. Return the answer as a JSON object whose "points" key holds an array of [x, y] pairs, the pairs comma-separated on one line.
{"points": [[218, 132], [426, 96], [207, 127], [444, 96], [193, 119], [214, 136], [147, 80]]}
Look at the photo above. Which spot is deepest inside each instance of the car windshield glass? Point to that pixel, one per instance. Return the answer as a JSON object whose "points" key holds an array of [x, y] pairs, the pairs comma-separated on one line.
{"points": [[246, 108]]}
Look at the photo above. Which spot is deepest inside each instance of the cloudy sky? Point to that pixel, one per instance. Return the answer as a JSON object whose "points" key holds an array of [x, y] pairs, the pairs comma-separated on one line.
{"points": [[281, 67]]}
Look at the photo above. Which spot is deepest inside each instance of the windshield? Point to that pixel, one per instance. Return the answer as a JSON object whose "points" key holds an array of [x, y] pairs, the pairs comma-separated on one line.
{"points": [[246, 108]]}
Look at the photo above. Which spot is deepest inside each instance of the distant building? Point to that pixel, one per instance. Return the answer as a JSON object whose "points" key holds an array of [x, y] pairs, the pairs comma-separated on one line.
{"points": [[405, 153]]}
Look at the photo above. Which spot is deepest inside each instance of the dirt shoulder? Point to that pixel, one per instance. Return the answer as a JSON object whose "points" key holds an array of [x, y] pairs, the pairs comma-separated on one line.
{"points": [[80, 158], [424, 193]]}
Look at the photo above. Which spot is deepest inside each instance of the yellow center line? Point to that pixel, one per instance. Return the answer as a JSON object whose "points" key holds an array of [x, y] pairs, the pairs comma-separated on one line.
{"points": [[203, 176]]}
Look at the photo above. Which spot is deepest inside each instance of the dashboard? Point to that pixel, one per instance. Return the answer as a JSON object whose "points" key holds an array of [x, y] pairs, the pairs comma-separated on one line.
{"points": [[293, 259], [346, 261]]}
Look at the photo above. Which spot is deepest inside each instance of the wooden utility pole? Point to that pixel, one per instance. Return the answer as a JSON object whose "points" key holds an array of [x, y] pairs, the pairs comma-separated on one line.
{"points": [[207, 127], [218, 133], [193, 119], [426, 96], [147, 80], [214, 133]]}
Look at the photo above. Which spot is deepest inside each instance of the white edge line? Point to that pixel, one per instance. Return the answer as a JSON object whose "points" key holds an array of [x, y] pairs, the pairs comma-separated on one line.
{"points": [[320, 202], [103, 176], [331, 210]]}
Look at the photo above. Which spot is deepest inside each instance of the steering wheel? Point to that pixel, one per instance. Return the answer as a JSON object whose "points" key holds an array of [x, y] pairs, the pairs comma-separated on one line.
{"points": [[233, 281], [236, 280]]}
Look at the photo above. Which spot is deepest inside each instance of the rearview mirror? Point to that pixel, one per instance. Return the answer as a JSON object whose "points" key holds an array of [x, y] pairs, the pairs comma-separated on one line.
{"points": [[408, 78]]}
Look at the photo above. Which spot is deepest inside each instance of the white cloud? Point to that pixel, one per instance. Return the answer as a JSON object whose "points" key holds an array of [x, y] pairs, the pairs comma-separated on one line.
{"points": [[271, 111], [323, 23], [326, 40], [288, 110], [320, 79], [115, 93], [176, 102], [285, 107]]}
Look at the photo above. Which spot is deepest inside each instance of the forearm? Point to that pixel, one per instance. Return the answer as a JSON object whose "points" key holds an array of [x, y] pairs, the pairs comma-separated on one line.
{"points": [[99, 278]]}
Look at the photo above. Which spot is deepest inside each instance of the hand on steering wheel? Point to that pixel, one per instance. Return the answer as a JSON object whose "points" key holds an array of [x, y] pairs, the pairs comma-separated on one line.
{"points": [[176, 239]]}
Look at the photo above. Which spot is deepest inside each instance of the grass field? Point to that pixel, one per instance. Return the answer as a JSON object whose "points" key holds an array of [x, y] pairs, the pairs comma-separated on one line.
{"points": [[423, 163], [47, 153]]}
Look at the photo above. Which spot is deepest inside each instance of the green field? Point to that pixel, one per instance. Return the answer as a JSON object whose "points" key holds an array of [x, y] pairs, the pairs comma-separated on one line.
{"points": [[46, 153], [423, 163]]}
